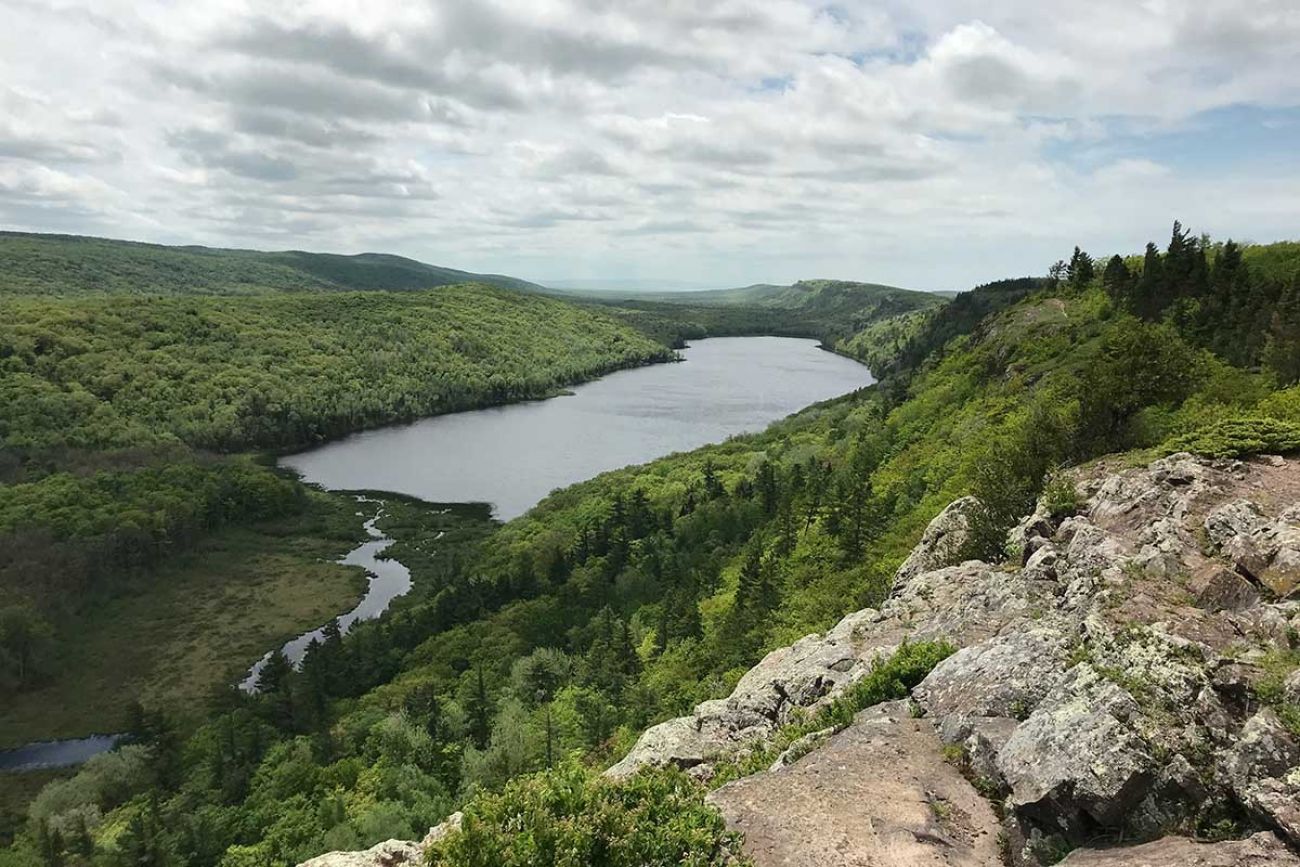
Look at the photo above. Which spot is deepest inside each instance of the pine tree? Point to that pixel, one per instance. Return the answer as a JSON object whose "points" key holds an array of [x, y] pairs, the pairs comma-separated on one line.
{"points": [[1115, 279], [479, 711], [1081, 269], [1282, 350], [1150, 300], [275, 673]]}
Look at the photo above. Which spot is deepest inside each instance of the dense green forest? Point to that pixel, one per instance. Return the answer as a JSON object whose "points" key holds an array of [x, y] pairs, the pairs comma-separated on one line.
{"points": [[32, 264], [832, 311], [544, 647], [121, 418], [274, 371]]}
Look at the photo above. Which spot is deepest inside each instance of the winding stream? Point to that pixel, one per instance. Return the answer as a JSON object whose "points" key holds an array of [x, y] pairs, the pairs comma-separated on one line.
{"points": [[389, 579], [512, 456]]}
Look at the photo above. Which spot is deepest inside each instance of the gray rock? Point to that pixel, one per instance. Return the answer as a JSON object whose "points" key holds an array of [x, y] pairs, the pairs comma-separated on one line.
{"points": [[1079, 754], [390, 853], [447, 826], [1265, 749], [1003, 677], [1291, 688], [1258, 850], [1277, 801], [1267, 550], [942, 542], [804, 675]]}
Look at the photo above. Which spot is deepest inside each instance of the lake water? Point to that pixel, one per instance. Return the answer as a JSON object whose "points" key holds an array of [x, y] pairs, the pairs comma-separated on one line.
{"points": [[513, 456], [55, 754]]}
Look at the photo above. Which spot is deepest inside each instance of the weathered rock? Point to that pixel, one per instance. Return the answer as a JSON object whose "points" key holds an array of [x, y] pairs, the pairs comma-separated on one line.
{"points": [[447, 826], [1291, 688], [1267, 550], [877, 794], [1277, 802], [1259, 850], [805, 674], [1218, 588], [1078, 758], [390, 853], [1265, 749], [942, 542], [1003, 677]]}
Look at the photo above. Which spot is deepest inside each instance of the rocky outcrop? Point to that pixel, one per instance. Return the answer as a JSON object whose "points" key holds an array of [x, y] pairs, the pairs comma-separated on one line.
{"points": [[1106, 684], [942, 543], [1259, 850], [878, 793], [390, 853], [1106, 687]]}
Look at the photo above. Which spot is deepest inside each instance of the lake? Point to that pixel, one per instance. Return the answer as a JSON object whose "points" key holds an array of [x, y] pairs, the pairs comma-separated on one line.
{"points": [[513, 456]]}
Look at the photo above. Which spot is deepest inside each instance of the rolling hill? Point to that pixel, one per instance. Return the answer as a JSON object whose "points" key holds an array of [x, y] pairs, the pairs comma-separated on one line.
{"points": [[38, 264]]}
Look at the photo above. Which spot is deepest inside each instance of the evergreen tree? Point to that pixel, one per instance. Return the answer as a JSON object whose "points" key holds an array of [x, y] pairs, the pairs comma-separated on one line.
{"points": [[479, 711], [1150, 300], [274, 675], [1116, 279], [1081, 269]]}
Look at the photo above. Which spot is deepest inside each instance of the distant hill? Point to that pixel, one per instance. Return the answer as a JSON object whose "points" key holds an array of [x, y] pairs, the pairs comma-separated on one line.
{"points": [[36, 264]]}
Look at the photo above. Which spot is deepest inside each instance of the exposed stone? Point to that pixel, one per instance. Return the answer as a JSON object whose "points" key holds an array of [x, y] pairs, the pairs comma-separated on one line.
{"points": [[877, 793], [1078, 755], [390, 853], [942, 542], [1218, 588], [1264, 749], [1277, 801], [1002, 677], [1258, 850], [1291, 688], [1267, 550], [448, 825]]}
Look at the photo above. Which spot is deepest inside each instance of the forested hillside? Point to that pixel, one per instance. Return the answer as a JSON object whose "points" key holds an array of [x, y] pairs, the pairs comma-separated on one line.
{"points": [[33, 264], [832, 311], [625, 600], [123, 423]]}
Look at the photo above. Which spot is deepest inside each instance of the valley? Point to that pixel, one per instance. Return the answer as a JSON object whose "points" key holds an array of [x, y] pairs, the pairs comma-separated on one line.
{"points": [[669, 528]]}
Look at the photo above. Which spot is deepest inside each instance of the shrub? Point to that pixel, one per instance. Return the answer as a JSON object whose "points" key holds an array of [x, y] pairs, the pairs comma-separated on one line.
{"points": [[570, 818], [1238, 437]]}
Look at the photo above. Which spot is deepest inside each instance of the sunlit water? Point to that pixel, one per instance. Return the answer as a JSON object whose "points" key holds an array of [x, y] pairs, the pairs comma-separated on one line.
{"points": [[513, 456]]}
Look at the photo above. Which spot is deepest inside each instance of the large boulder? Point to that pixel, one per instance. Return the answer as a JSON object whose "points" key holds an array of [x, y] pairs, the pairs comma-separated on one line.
{"points": [[1264, 749], [942, 543], [1078, 761], [1004, 677], [1277, 802], [1267, 550]]}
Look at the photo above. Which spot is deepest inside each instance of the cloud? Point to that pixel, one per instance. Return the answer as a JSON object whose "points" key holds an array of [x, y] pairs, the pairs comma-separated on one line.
{"points": [[735, 141]]}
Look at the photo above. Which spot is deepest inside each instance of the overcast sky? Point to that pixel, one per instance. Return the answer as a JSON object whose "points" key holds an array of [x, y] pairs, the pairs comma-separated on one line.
{"points": [[714, 143]]}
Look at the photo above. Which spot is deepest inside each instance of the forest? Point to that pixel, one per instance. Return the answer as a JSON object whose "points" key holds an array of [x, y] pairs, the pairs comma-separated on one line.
{"points": [[533, 655], [35, 264], [123, 419]]}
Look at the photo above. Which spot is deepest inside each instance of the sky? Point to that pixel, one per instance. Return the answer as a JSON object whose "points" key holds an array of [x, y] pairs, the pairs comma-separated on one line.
{"points": [[931, 145]]}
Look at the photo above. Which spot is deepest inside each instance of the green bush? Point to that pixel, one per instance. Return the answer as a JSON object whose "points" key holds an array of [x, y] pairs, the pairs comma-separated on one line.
{"points": [[1238, 437], [570, 818]]}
